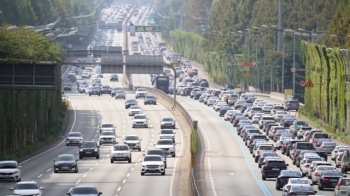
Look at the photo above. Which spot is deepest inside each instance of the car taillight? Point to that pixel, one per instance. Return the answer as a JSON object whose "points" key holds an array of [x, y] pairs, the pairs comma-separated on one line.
{"points": [[313, 140], [325, 153], [266, 167], [338, 185], [294, 150], [295, 156], [316, 174], [339, 159], [306, 166], [278, 134], [292, 193], [324, 179], [284, 167], [274, 110], [261, 159], [285, 146], [258, 151], [274, 131]]}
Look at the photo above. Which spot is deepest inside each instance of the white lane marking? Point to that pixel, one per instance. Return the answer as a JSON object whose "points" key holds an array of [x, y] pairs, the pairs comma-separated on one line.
{"points": [[128, 175], [209, 165], [84, 175], [40, 175], [70, 189], [96, 164], [124, 181], [102, 159], [119, 189], [78, 182], [177, 158], [132, 169], [91, 169], [71, 129], [48, 170]]}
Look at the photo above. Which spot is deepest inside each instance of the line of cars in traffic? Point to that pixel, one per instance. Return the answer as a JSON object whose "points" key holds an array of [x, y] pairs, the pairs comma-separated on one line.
{"points": [[259, 123]]}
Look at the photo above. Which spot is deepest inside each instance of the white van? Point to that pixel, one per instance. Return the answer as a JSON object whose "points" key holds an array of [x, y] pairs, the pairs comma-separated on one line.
{"points": [[231, 100]]}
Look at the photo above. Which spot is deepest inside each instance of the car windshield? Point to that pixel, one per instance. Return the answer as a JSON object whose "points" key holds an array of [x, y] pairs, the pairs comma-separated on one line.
{"points": [[8, 165], [321, 135], [266, 147], [276, 163], [150, 97], [89, 145], [135, 107], [131, 101], [269, 154], [305, 146], [123, 147], [166, 132], [131, 138], [324, 168], [328, 144], [107, 126], [152, 158], [313, 159], [302, 189], [168, 142], [155, 152], [65, 158], [84, 191], [254, 131], [168, 119], [141, 89], [23, 186], [290, 173], [107, 133], [333, 173], [299, 181], [74, 135], [139, 117]]}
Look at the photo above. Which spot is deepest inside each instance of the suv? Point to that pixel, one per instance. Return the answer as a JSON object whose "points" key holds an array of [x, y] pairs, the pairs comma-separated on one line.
{"points": [[120, 152], [140, 120], [140, 92], [105, 90], [94, 91], [150, 100], [272, 168], [106, 127], [114, 77], [67, 86], [292, 105], [133, 141], [107, 137], [89, 149], [10, 170], [159, 152], [152, 164], [167, 134], [167, 145]]}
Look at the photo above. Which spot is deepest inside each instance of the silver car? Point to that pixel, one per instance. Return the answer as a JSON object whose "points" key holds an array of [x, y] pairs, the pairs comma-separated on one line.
{"points": [[119, 94], [74, 138], [342, 188]]}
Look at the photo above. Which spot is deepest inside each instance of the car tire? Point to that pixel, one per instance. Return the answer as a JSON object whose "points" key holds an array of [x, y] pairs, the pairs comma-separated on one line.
{"points": [[320, 187], [112, 161], [144, 103], [55, 171], [98, 157], [259, 166], [263, 177], [155, 103], [76, 171], [277, 187], [139, 149], [174, 127], [89, 94], [129, 160], [67, 144], [146, 126], [81, 157], [163, 173], [132, 126], [173, 155], [142, 173]]}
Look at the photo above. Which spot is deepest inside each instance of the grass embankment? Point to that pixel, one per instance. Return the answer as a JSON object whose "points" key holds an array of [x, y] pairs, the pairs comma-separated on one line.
{"points": [[30, 148]]}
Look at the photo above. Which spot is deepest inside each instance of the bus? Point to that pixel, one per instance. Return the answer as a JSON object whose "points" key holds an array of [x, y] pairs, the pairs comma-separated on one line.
{"points": [[162, 83]]}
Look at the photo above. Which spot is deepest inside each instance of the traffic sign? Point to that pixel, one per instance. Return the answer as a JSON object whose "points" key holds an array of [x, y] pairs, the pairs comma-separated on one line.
{"points": [[247, 73], [293, 69], [254, 63], [309, 84], [147, 28], [302, 83]]}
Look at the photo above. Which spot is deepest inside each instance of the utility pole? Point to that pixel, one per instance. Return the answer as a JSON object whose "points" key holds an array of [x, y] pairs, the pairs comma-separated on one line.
{"points": [[282, 87], [294, 64], [279, 27]]}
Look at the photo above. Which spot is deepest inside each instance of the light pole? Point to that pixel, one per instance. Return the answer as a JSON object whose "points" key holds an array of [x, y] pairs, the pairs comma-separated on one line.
{"points": [[282, 86]]}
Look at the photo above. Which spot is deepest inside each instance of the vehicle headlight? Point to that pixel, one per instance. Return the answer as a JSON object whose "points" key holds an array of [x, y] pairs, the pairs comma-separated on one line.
{"points": [[15, 172], [81, 150], [56, 164], [143, 165], [96, 150], [161, 166]]}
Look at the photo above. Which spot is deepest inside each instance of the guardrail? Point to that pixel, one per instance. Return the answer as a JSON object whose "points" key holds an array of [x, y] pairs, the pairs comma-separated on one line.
{"points": [[274, 95]]}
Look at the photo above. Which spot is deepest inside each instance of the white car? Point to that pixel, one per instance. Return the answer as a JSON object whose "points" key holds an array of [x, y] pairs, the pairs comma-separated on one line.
{"points": [[107, 137], [120, 152], [135, 109], [152, 164], [140, 120], [167, 134], [263, 147], [295, 181], [140, 92], [74, 138], [10, 170], [280, 142], [107, 127], [338, 159], [133, 141], [279, 114], [256, 118], [27, 188], [338, 149], [319, 169], [305, 164], [167, 145], [229, 114], [219, 105], [212, 100]]}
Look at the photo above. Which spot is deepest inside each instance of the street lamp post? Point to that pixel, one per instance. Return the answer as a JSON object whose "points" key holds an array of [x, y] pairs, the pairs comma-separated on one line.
{"points": [[282, 87]]}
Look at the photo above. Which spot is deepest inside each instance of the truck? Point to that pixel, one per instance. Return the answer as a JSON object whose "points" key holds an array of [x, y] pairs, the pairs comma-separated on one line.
{"points": [[175, 58]]}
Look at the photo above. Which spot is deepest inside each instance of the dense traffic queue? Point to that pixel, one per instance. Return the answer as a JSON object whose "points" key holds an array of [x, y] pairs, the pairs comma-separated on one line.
{"points": [[273, 135]]}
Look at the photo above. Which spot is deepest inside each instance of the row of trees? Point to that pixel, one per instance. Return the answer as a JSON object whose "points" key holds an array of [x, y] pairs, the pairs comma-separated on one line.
{"points": [[30, 118]]}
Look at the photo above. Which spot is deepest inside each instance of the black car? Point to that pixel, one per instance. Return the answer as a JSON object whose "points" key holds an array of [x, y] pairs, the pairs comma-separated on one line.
{"points": [[150, 100], [130, 102], [67, 87], [321, 152], [329, 179], [114, 90], [204, 84], [105, 90], [272, 168], [83, 190], [89, 149], [223, 110], [265, 154], [197, 95], [65, 162], [95, 91], [282, 179], [157, 152], [114, 77]]}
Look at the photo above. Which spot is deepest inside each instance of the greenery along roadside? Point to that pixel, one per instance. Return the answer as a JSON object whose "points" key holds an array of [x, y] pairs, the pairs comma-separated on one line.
{"points": [[29, 118]]}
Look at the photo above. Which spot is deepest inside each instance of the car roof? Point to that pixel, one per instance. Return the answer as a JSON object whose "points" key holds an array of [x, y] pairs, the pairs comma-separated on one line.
{"points": [[28, 182], [131, 135], [165, 140], [10, 161], [153, 155]]}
